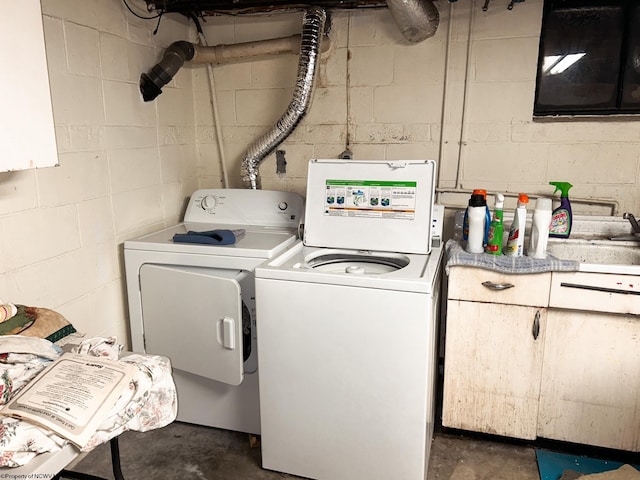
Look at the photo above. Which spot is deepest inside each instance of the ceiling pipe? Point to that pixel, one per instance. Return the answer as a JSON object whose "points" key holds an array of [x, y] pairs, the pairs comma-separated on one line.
{"points": [[181, 52], [417, 19], [232, 53], [310, 47], [174, 57]]}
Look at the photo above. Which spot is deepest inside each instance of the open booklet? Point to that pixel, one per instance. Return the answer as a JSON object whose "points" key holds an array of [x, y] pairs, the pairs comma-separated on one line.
{"points": [[73, 395]]}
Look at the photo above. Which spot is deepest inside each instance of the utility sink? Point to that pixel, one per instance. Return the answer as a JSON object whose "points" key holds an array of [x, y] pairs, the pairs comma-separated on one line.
{"points": [[604, 256], [600, 244]]}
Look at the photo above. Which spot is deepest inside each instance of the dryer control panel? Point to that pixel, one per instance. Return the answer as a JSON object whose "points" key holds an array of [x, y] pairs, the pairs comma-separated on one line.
{"points": [[245, 207]]}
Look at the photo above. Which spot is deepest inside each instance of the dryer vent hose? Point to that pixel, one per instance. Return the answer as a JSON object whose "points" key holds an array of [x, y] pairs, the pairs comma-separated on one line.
{"points": [[417, 19], [310, 47]]}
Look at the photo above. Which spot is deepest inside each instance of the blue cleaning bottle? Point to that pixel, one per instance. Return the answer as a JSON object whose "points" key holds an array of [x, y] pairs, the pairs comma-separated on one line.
{"points": [[562, 217]]}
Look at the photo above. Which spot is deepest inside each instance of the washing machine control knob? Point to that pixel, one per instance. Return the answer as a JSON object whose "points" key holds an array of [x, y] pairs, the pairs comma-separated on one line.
{"points": [[283, 205], [208, 201]]}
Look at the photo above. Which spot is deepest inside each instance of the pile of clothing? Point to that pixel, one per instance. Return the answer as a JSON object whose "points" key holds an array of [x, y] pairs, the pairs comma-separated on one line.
{"points": [[149, 402]]}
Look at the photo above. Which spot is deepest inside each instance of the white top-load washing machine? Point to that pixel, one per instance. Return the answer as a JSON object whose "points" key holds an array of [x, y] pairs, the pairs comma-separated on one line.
{"points": [[195, 302], [348, 326]]}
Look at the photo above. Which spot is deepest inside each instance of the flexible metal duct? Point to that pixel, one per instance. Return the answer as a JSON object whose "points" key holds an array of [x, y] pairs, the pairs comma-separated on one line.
{"points": [[417, 19], [313, 25]]}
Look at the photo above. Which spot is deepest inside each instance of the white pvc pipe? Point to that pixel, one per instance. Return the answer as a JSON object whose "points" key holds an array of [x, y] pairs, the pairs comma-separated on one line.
{"points": [[220, 54], [216, 118]]}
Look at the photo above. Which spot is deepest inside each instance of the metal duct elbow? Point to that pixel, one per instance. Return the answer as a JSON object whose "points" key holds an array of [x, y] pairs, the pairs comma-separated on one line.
{"points": [[174, 57], [417, 19], [310, 46]]}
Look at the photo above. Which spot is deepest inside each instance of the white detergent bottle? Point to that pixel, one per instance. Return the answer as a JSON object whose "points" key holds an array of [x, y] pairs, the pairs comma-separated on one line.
{"points": [[515, 243], [540, 228], [476, 213]]}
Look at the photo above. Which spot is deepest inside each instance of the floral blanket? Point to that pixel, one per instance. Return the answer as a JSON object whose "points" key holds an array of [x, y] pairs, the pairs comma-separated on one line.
{"points": [[150, 402]]}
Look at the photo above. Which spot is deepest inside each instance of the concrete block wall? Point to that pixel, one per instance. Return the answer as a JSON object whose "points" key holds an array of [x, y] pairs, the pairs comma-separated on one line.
{"points": [[502, 148], [126, 167], [374, 94], [463, 97]]}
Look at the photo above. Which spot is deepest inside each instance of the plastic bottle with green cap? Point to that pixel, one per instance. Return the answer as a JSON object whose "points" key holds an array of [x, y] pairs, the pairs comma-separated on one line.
{"points": [[496, 229], [561, 218]]}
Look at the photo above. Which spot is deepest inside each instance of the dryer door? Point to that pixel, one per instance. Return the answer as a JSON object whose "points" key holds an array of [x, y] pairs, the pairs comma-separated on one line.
{"points": [[194, 317]]}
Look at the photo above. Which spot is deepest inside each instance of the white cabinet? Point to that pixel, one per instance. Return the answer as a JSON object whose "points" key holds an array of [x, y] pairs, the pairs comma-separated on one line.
{"points": [[493, 354], [27, 135], [591, 388], [598, 292], [494, 386], [578, 381]]}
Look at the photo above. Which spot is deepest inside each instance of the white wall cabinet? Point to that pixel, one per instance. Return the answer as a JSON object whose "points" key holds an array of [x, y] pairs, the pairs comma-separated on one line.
{"points": [[27, 134], [529, 360]]}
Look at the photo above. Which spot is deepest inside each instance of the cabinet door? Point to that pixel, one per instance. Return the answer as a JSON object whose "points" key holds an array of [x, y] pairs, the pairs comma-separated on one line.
{"points": [[194, 317], [493, 364], [27, 132], [591, 379]]}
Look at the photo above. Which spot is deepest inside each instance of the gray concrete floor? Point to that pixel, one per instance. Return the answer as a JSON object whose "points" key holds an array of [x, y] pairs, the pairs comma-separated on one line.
{"points": [[183, 451]]}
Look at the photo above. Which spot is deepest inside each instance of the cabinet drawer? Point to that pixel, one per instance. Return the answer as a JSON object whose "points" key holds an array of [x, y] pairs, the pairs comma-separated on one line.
{"points": [[480, 285], [599, 292]]}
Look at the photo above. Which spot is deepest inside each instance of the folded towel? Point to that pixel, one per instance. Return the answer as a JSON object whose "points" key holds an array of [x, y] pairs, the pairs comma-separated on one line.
{"points": [[506, 264], [210, 237]]}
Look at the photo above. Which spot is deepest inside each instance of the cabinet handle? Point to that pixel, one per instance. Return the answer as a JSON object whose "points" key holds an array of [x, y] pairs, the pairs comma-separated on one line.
{"points": [[535, 329], [599, 289], [497, 286]]}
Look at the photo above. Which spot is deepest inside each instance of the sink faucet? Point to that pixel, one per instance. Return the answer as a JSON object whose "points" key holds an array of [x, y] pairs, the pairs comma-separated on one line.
{"points": [[632, 221]]}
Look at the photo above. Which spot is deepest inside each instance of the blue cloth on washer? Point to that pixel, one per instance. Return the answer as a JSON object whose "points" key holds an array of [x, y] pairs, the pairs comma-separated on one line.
{"points": [[210, 237]]}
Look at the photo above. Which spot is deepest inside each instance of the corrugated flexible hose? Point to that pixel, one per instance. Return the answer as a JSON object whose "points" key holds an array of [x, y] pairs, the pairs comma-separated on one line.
{"points": [[417, 19], [312, 31]]}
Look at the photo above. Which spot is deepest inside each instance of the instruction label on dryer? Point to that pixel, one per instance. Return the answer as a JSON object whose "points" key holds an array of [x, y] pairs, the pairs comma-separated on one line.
{"points": [[370, 198]]}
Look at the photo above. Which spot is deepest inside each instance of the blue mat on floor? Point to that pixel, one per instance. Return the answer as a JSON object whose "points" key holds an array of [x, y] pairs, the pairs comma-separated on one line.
{"points": [[551, 465]]}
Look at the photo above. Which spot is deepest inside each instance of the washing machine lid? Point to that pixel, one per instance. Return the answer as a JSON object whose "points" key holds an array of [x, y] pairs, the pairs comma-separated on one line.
{"points": [[370, 205]]}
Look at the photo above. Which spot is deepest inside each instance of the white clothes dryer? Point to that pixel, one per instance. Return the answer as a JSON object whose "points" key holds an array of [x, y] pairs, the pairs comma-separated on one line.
{"points": [[195, 303], [348, 326]]}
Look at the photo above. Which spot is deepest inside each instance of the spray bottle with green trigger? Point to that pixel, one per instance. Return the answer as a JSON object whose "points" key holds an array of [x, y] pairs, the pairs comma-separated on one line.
{"points": [[562, 218]]}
